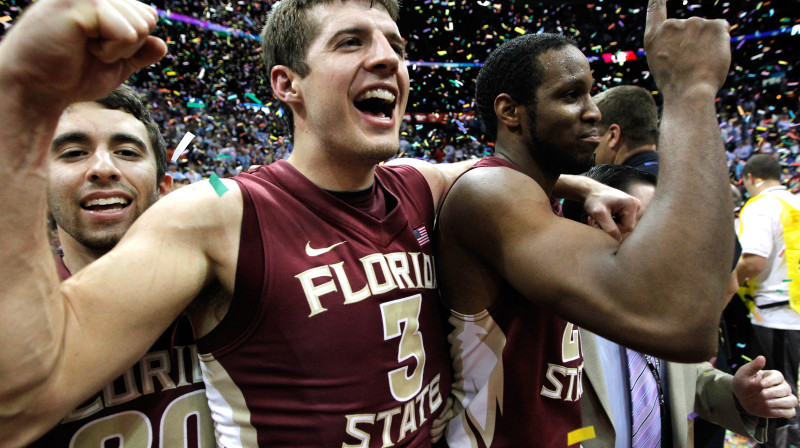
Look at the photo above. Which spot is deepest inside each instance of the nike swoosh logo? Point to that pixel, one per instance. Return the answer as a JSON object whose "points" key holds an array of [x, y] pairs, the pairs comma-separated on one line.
{"points": [[311, 252]]}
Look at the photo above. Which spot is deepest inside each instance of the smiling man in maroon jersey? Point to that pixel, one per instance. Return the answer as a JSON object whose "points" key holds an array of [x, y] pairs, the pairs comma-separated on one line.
{"points": [[518, 277], [106, 167]]}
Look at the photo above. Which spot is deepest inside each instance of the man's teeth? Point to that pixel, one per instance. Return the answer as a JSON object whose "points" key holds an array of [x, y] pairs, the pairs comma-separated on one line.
{"points": [[381, 94], [106, 201]]}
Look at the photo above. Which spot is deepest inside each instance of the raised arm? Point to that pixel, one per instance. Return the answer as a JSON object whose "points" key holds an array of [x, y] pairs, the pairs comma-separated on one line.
{"points": [[663, 289], [61, 342]]}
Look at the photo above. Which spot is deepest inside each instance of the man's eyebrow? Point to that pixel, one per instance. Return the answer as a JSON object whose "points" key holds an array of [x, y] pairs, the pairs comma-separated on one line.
{"points": [[82, 137], [346, 31], [122, 137], [398, 39], [393, 37], [69, 137], [573, 83]]}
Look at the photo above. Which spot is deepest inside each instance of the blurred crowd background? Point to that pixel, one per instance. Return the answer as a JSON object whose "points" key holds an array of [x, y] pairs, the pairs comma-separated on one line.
{"points": [[213, 85]]}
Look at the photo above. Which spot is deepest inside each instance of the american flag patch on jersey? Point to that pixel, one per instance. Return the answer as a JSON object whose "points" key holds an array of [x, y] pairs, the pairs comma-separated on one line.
{"points": [[422, 235]]}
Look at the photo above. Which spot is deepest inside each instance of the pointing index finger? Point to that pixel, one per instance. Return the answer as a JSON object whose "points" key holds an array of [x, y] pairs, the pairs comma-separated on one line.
{"points": [[656, 15]]}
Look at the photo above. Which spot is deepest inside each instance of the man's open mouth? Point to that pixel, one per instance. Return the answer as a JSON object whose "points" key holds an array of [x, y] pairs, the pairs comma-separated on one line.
{"points": [[378, 103], [106, 204]]}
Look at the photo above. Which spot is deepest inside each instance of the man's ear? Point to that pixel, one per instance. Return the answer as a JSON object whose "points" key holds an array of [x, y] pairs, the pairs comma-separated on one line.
{"points": [[165, 186], [614, 136], [508, 111], [282, 79]]}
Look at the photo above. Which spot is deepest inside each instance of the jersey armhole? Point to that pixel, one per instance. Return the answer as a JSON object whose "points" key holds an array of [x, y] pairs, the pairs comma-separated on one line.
{"points": [[408, 170], [244, 312]]}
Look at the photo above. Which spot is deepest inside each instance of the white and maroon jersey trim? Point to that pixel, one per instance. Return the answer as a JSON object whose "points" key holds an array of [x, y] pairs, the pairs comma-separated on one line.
{"points": [[334, 336], [518, 373]]}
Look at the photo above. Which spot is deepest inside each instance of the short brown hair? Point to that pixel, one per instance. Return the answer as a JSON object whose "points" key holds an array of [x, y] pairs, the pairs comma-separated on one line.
{"points": [[633, 109]]}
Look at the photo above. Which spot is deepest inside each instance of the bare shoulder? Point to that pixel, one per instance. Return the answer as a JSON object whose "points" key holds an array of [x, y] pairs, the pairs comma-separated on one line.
{"points": [[419, 164], [202, 209], [488, 192], [487, 220], [432, 175], [438, 176], [200, 220], [206, 201]]}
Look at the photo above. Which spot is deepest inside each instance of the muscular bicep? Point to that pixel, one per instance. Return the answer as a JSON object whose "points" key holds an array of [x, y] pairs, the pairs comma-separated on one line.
{"points": [[504, 222], [555, 263]]}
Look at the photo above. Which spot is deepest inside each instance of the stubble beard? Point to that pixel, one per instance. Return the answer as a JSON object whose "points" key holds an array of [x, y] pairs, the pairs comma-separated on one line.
{"points": [[552, 159], [99, 241], [375, 154], [556, 161], [102, 243]]}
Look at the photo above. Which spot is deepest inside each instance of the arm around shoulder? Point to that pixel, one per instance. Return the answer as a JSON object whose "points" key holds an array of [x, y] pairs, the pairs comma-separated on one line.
{"points": [[439, 176]]}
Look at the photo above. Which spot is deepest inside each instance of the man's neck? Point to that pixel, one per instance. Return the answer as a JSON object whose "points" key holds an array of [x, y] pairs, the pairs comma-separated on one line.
{"points": [[329, 168], [522, 160], [76, 255], [624, 154], [333, 175], [766, 184]]}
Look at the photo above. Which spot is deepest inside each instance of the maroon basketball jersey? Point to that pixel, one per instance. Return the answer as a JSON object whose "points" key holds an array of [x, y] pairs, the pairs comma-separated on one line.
{"points": [[518, 371], [333, 337], [159, 402]]}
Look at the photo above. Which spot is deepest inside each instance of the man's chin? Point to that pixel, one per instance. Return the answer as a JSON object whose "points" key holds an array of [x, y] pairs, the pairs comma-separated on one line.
{"points": [[100, 242], [382, 152]]}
